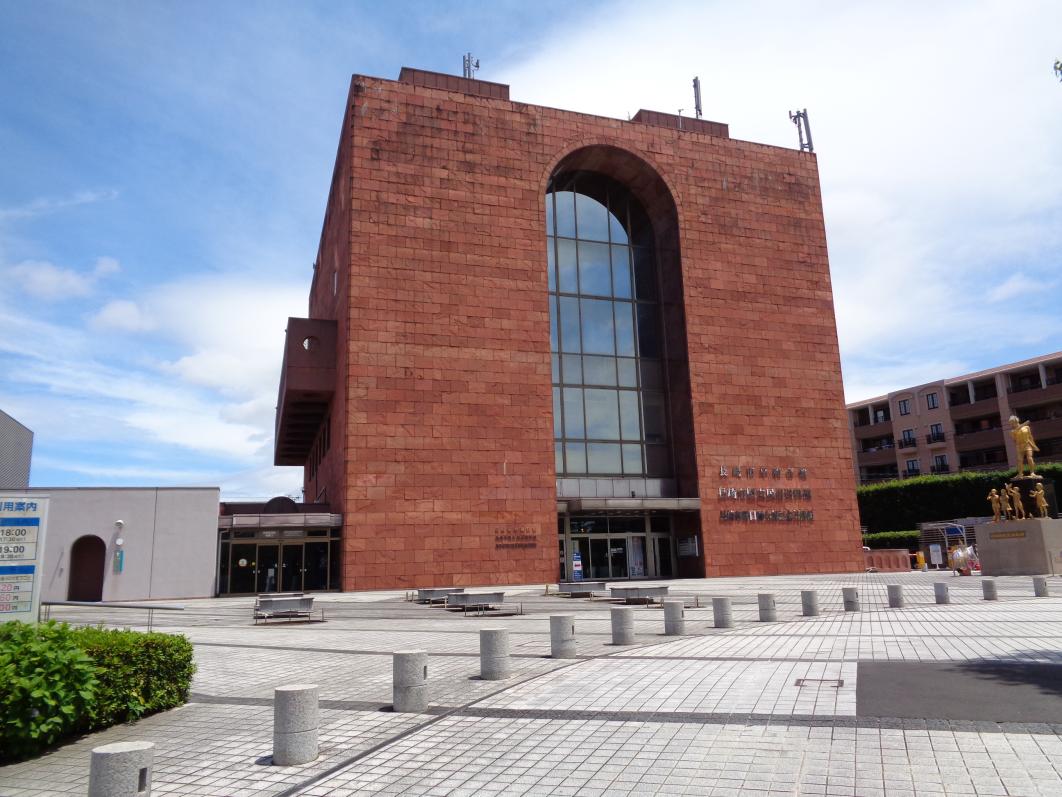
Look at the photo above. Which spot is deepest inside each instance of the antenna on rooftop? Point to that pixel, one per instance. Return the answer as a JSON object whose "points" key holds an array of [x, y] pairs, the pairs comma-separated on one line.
{"points": [[697, 96], [800, 119], [469, 65]]}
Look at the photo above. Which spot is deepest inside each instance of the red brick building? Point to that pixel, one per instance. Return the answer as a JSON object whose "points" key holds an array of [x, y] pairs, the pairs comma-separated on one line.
{"points": [[544, 344]]}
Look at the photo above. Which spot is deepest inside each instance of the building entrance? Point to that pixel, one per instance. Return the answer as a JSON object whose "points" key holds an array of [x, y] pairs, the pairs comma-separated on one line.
{"points": [[263, 561], [617, 547]]}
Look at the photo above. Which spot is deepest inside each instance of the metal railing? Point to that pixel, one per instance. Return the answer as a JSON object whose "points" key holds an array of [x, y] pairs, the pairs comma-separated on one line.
{"points": [[151, 607], [935, 437]]}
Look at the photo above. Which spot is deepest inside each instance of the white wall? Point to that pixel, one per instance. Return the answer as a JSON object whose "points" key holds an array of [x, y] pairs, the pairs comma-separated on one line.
{"points": [[170, 539]]}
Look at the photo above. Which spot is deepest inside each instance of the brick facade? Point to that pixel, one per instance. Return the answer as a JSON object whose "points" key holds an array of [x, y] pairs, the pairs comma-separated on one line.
{"points": [[441, 423]]}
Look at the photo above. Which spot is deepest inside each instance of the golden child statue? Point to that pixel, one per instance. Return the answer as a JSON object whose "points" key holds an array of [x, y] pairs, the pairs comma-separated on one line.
{"points": [[1041, 500], [1004, 500], [993, 498], [1021, 431], [1015, 499]]}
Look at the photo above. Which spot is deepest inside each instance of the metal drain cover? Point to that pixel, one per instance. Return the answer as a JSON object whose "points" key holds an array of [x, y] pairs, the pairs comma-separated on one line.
{"points": [[835, 683]]}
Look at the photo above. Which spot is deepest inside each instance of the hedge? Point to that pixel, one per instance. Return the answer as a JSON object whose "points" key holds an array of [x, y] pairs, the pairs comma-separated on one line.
{"points": [[56, 681], [893, 539], [903, 504]]}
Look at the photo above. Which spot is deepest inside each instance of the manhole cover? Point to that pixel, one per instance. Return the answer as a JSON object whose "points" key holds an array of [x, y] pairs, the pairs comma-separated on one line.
{"points": [[835, 683]]}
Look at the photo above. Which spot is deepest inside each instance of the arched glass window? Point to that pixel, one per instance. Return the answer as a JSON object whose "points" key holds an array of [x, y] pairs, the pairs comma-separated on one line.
{"points": [[609, 404]]}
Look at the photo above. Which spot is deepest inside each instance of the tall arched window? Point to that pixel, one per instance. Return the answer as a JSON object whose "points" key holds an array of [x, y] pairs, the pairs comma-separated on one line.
{"points": [[609, 402]]}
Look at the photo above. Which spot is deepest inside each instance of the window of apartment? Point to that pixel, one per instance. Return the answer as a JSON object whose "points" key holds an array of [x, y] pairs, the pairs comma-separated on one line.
{"points": [[936, 429], [908, 435], [913, 466], [609, 404], [904, 406], [940, 463], [931, 401]]}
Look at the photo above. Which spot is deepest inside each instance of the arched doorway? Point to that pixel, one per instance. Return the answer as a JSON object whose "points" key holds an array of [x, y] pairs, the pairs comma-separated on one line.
{"points": [[88, 557]]}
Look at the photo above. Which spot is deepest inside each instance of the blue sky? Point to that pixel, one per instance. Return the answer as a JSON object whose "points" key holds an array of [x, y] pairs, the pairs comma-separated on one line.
{"points": [[165, 166]]}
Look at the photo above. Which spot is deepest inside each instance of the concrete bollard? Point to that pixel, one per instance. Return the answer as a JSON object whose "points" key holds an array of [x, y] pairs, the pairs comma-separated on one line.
{"points": [[122, 769], [562, 636], [410, 685], [850, 596], [295, 723], [1040, 586], [768, 607], [622, 625], [494, 661], [895, 596], [940, 592], [674, 618], [809, 602], [988, 589], [724, 618]]}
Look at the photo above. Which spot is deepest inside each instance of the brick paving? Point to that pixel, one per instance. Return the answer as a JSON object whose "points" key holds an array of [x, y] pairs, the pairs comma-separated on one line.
{"points": [[716, 712]]}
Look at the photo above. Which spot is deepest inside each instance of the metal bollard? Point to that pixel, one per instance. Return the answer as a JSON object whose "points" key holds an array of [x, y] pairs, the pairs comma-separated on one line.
{"points": [[895, 596], [809, 602], [410, 685], [850, 596], [1040, 586], [768, 607], [988, 589], [940, 592], [122, 769], [721, 612], [674, 618], [622, 625], [295, 723], [494, 661], [562, 636]]}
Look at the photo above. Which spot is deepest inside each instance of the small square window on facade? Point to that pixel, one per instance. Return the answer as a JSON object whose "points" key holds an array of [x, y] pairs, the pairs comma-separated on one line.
{"points": [[904, 406], [940, 462], [936, 429], [913, 466], [908, 435], [931, 401]]}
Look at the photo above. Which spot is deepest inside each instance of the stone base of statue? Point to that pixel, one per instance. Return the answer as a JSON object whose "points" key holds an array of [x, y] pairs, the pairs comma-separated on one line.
{"points": [[1028, 485], [1029, 547]]}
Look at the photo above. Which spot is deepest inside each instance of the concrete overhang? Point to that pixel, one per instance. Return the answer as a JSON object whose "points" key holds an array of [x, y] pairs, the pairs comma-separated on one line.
{"points": [[629, 505]]}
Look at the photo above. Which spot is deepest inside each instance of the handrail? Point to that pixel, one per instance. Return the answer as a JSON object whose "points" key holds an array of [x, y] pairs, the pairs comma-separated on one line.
{"points": [[111, 605]]}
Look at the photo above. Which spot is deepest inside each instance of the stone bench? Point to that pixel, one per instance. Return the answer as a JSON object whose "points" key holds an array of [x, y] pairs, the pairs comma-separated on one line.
{"points": [[284, 605], [436, 594], [474, 600], [632, 594], [573, 588]]}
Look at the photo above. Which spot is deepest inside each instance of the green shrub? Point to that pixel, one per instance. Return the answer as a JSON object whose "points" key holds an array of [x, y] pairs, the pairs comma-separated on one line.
{"points": [[138, 673], [47, 685], [897, 505], [892, 539]]}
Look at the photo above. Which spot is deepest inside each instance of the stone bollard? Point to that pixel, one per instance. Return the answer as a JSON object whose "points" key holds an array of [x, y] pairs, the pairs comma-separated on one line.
{"points": [[768, 608], [295, 722], [895, 596], [721, 611], [562, 636], [940, 592], [674, 618], [1040, 586], [410, 687], [850, 595], [122, 769], [494, 661], [809, 602], [988, 589], [622, 625]]}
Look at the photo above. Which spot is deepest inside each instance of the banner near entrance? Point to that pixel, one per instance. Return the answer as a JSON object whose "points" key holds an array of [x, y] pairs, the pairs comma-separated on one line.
{"points": [[23, 523]]}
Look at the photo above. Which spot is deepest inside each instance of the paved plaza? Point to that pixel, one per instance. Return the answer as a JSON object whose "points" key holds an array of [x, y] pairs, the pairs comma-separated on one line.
{"points": [[958, 699]]}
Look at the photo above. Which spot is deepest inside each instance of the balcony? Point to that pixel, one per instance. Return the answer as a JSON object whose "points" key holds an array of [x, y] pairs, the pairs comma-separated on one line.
{"points": [[985, 406], [910, 474], [935, 437], [939, 469], [869, 430], [906, 442], [1034, 396], [984, 438], [307, 383], [876, 456]]}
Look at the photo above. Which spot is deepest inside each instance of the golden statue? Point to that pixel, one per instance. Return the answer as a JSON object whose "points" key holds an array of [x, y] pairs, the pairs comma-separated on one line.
{"points": [[1015, 499], [1004, 500], [1021, 431], [1041, 500], [993, 498]]}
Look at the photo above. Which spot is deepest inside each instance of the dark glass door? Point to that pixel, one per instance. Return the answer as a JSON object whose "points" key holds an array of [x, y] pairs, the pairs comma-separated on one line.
{"points": [[598, 559], [315, 566], [663, 558], [267, 568], [242, 568], [618, 556], [291, 568]]}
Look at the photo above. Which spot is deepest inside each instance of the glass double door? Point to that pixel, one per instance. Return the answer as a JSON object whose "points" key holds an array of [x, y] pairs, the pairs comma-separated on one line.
{"points": [[612, 557], [278, 567]]}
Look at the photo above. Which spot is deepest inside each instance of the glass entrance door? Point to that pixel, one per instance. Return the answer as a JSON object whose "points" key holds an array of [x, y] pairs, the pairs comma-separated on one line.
{"points": [[662, 550], [266, 570], [291, 571], [242, 569], [315, 566], [618, 557]]}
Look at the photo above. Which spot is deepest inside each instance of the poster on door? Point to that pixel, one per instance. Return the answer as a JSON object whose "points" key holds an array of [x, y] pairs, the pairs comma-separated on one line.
{"points": [[577, 566], [637, 554], [23, 523]]}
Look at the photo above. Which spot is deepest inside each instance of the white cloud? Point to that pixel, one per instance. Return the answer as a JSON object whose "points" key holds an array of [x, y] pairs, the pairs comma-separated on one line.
{"points": [[43, 206], [122, 315], [45, 280], [1016, 285]]}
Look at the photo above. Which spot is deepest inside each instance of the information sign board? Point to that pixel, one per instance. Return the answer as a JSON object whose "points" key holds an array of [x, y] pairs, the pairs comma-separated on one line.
{"points": [[23, 523], [577, 566], [936, 556]]}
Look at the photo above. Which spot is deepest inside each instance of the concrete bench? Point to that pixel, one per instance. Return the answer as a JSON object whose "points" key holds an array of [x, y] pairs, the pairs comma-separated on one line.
{"points": [[288, 606], [474, 600], [436, 594], [573, 588], [632, 594]]}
